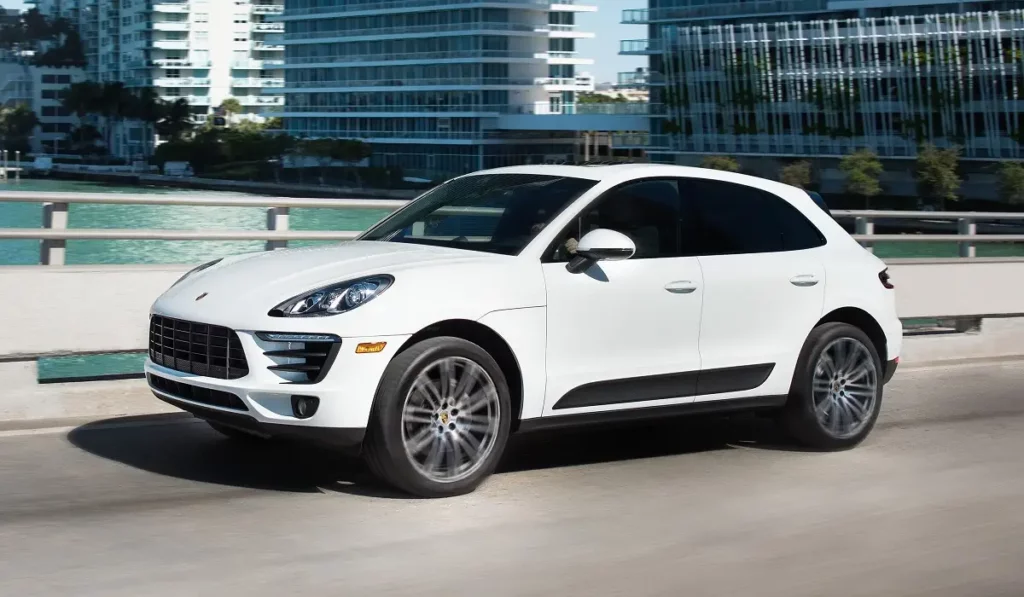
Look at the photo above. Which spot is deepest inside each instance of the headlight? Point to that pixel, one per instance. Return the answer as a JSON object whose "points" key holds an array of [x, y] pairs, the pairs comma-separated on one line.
{"points": [[334, 299], [196, 270]]}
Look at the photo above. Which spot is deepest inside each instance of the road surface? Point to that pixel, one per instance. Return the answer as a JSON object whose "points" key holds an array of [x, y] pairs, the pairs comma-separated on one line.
{"points": [[931, 505]]}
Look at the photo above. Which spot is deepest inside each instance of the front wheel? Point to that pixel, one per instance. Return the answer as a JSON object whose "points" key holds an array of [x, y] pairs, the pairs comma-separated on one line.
{"points": [[441, 418], [836, 393]]}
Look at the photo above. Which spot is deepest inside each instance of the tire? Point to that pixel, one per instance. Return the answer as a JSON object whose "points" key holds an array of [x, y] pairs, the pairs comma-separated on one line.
{"points": [[823, 399], [405, 416], [233, 433]]}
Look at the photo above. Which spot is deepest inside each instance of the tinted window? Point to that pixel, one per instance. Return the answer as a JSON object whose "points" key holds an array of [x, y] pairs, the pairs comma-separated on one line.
{"points": [[730, 218], [820, 202], [648, 212], [497, 213]]}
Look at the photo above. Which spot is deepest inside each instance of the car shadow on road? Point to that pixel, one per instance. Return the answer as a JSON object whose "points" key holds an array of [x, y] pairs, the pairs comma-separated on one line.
{"points": [[189, 449]]}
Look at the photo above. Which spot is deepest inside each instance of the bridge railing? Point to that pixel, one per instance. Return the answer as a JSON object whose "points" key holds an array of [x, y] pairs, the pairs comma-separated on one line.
{"points": [[54, 231]]}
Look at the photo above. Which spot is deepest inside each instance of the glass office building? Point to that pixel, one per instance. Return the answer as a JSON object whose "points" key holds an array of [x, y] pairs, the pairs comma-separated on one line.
{"points": [[439, 87], [825, 77]]}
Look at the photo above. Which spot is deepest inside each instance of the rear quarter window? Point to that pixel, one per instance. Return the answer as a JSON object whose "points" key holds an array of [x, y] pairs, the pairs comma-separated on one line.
{"points": [[731, 218]]}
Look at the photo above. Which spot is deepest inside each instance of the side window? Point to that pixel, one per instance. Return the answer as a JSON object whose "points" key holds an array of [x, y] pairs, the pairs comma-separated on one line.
{"points": [[647, 211], [733, 219]]}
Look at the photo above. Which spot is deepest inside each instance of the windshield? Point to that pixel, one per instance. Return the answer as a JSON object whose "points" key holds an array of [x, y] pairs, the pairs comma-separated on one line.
{"points": [[496, 213]]}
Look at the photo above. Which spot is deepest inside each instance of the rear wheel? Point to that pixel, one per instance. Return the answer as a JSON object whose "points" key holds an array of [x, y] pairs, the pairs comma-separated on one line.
{"points": [[441, 418], [836, 393]]}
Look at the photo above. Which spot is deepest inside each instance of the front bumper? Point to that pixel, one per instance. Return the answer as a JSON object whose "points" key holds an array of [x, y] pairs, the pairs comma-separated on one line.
{"points": [[348, 439], [262, 401]]}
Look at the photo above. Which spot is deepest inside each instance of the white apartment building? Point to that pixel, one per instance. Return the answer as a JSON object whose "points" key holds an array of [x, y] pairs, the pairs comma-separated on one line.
{"points": [[40, 89], [443, 87], [205, 51]]}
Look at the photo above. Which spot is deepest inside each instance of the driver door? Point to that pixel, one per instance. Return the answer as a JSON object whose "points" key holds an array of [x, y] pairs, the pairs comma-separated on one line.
{"points": [[623, 334]]}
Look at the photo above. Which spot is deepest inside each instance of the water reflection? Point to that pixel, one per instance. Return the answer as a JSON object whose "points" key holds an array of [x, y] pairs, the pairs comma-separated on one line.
{"points": [[166, 217]]}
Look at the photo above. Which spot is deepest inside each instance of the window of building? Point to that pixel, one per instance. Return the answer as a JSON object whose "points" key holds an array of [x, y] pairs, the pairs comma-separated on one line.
{"points": [[728, 219]]}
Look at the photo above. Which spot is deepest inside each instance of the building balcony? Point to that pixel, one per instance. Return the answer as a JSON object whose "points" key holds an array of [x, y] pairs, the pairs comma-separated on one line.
{"points": [[179, 63], [396, 32], [391, 111], [385, 6], [254, 82], [193, 100], [553, 57], [541, 108], [267, 9], [579, 83], [260, 100], [546, 116], [170, 44], [256, 64], [169, 6], [640, 47], [434, 82], [640, 79], [261, 46], [182, 82], [413, 58], [268, 27], [545, 108], [176, 26]]}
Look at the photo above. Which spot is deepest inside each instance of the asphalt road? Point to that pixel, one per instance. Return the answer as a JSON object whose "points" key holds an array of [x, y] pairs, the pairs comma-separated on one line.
{"points": [[930, 505]]}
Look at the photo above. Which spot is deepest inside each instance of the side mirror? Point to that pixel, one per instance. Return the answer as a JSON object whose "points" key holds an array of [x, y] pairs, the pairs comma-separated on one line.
{"points": [[601, 245]]}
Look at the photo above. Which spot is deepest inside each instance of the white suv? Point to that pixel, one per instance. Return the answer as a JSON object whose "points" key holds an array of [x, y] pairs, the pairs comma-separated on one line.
{"points": [[534, 297]]}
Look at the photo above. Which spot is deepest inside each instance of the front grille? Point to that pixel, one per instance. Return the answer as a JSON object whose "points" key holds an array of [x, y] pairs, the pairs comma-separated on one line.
{"points": [[196, 393], [207, 350], [311, 361]]}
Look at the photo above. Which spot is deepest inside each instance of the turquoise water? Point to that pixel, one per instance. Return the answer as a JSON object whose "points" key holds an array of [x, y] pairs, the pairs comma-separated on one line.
{"points": [[167, 217], [29, 215]]}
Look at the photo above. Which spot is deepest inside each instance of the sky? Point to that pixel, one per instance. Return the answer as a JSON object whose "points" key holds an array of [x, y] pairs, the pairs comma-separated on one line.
{"points": [[603, 48]]}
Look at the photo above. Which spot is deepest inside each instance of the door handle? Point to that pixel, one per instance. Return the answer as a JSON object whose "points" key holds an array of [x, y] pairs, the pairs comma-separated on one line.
{"points": [[804, 280], [681, 287]]}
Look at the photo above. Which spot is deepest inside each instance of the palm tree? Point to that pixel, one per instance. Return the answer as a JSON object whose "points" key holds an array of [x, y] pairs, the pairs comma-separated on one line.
{"points": [[16, 127], [116, 106], [83, 98], [231, 106], [149, 111], [175, 119]]}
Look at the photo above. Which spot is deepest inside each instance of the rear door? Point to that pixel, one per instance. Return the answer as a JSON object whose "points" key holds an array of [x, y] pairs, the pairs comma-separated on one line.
{"points": [[764, 287]]}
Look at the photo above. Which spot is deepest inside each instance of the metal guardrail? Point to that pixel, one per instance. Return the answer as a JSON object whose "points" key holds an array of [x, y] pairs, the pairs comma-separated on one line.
{"points": [[54, 231]]}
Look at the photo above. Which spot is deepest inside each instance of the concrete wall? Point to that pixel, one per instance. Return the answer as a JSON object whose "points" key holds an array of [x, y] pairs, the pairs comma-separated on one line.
{"points": [[48, 310], [73, 309]]}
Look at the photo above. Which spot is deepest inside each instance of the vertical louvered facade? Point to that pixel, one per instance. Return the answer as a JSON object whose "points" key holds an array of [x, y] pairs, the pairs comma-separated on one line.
{"points": [[828, 87]]}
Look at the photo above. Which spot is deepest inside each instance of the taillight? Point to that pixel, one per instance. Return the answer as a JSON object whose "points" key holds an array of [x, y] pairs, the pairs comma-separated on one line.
{"points": [[883, 277]]}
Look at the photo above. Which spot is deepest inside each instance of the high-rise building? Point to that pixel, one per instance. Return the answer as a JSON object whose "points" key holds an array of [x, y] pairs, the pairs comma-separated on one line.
{"points": [[205, 51], [823, 78], [39, 88], [443, 87]]}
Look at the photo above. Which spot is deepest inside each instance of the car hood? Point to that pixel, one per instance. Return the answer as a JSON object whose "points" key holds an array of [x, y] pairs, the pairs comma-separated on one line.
{"points": [[264, 280]]}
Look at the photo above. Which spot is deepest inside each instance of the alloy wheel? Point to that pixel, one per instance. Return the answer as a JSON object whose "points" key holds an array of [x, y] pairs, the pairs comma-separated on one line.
{"points": [[844, 387], [450, 419]]}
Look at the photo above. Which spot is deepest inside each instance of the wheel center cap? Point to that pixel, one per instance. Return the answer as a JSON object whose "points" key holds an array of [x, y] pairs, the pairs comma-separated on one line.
{"points": [[443, 415]]}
